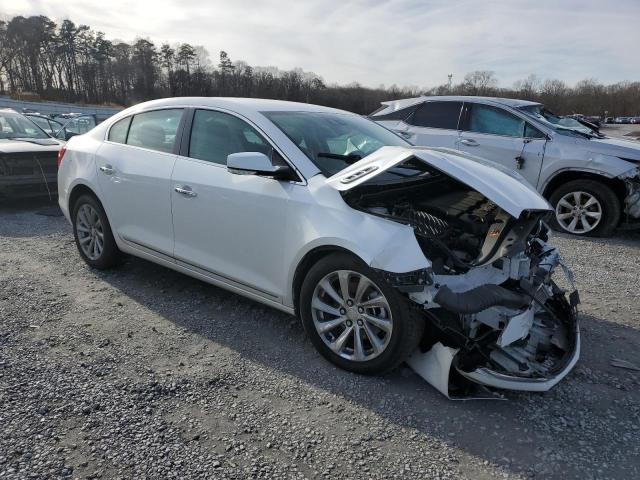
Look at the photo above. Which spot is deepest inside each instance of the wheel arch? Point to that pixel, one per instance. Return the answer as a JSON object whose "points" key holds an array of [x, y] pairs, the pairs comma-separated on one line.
{"points": [[617, 185], [309, 259], [77, 191]]}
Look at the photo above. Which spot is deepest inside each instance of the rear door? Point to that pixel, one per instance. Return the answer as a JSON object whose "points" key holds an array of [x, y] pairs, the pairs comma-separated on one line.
{"points": [[134, 175], [434, 124], [495, 134]]}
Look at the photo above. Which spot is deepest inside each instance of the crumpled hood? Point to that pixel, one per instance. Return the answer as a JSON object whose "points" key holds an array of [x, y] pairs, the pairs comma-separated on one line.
{"points": [[505, 188], [617, 147]]}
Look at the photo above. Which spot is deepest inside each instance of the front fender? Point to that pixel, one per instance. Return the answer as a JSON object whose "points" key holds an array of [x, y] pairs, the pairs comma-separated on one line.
{"points": [[382, 244], [597, 164]]}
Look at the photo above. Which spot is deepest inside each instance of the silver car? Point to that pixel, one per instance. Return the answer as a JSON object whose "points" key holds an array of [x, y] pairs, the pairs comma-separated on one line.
{"points": [[592, 181]]}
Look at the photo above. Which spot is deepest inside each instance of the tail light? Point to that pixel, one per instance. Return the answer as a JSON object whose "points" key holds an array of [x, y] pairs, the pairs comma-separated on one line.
{"points": [[61, 153]]}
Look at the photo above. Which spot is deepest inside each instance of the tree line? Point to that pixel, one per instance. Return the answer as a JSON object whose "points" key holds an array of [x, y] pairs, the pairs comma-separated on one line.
{"points": [[74, 63]]}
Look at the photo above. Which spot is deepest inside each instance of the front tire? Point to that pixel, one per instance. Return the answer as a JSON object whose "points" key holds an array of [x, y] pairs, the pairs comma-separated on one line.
{"points": [[354, 318], [586, 208], [93, 234]]}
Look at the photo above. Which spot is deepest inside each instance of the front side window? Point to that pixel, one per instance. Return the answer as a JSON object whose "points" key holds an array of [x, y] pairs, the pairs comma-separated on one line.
{"points": [[216, 135], [437, 115], [155, 130], [494, 121], [118, 131], [333, 141]]}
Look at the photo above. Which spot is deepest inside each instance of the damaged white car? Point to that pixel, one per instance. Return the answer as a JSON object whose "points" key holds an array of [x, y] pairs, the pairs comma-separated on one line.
{"points": [[591, 180], [387, 252]]}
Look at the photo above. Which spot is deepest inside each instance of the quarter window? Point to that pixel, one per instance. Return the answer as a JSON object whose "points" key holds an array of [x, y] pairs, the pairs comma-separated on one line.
{"points": [[437, 115], [155, 130], [216, 135], [532, 132], [118, 132], [494, 121]]}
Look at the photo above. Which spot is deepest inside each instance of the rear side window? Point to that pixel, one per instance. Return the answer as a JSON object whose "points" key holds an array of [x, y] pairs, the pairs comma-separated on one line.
{"points": [[494, 121], [118, 132], [215, 135], [155, 130], [401, 114], [437, 115]]}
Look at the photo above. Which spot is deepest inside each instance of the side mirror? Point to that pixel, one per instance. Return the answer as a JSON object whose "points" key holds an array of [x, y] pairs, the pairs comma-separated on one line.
{"points": [[256, 163]]}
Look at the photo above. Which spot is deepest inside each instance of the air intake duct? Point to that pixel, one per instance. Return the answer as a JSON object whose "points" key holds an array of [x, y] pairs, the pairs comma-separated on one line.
{"points": [[479, 299]]}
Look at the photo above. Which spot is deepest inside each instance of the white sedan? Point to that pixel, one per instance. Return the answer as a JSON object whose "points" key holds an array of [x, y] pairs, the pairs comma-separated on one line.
{"points": [[387, 252]]}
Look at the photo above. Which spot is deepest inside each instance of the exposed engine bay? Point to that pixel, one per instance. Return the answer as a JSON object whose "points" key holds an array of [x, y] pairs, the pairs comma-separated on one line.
{"points": [[494, 315]]}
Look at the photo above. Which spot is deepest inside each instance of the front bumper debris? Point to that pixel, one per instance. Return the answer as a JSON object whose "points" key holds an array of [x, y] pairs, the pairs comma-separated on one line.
{"points": [[632, 200], [504, 328]]}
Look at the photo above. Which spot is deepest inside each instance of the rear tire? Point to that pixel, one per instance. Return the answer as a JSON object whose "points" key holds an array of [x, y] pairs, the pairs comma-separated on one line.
{"points": [[373, 312], [92, 233], [585, 208]]}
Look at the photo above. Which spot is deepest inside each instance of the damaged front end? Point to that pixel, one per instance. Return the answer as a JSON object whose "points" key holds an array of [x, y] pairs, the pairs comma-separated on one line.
{"points": [[632, 197], [494, 315], [506, 324]]}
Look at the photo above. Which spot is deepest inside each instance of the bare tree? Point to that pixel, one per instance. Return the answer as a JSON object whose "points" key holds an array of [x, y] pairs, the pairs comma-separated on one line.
{"points": [[72, 62], [480, 82]]}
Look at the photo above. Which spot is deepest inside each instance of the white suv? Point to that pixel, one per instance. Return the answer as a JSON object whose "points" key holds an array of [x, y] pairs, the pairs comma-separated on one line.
{"points": [[592, 181]]}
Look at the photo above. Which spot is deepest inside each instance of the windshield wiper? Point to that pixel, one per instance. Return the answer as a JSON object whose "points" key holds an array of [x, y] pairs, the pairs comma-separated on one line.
{"points": [[350, 158]]}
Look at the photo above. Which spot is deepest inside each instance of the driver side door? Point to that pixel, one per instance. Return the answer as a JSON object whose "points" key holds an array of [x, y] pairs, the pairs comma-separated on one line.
{"points": [[227, 226], [495, 134]]}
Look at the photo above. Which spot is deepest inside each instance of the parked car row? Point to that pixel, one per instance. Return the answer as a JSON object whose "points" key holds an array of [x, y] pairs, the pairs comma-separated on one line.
{"points": [[64, 126], [387, 251], [29, 145], [621, 120], [27, 157], [592, 181], [591, 121]]}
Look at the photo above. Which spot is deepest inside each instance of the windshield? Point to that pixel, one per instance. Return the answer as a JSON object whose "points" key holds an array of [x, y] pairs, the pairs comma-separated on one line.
{"points": [[563, 125], [14, 125], [333, 141]]}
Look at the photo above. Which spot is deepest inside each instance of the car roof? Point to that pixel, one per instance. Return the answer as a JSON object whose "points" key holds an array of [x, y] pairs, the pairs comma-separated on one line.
{"points": [[510, 102], [237, 104]]}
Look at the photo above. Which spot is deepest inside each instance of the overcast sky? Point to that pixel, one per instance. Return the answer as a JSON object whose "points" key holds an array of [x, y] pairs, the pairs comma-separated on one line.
{"points": [[406, 42]]}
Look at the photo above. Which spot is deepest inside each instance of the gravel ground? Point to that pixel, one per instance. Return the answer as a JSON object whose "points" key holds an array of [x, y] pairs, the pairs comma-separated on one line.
{"points": [[625, 131], [146, 373]]}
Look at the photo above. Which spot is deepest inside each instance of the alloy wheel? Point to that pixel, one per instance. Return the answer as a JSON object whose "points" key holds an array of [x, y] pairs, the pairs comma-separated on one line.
{"points": [[90, 232], [578, 212], [351, 315]]}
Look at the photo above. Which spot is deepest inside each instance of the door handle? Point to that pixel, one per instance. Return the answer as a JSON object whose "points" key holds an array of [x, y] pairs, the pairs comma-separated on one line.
{"points": [[469, 142], [185, 190], [107, 169]]}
